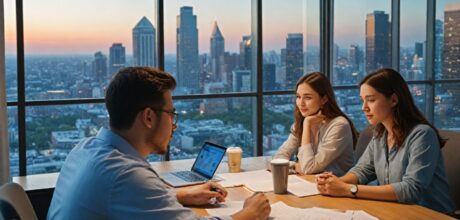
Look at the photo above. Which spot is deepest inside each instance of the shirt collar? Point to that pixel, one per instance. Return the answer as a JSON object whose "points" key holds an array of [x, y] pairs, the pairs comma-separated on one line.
{"points": [[119, 143]]}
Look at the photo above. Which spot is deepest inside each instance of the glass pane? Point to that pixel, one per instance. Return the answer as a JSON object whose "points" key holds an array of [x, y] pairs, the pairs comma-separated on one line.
{"points": [[208, 46], [350, 103], [10, 51], [13, 139], [71, 55], [224, 121], [361, 39], [52, 132], [419, 94], [413, 39], [447, 107], [278, 119], [291, 49], [447, 52]]}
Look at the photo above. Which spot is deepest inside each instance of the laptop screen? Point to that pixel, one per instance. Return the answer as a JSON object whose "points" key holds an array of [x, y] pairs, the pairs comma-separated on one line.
{"points": [[208, 159]]}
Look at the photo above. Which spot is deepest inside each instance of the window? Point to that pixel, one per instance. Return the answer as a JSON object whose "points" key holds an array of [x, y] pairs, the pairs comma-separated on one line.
{"points": [[213, 54], [361, 39]]}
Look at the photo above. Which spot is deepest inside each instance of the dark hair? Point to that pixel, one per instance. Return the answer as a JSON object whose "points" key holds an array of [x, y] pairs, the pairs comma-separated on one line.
{"points": [[406, 114], [133, 89], [323, 87]]}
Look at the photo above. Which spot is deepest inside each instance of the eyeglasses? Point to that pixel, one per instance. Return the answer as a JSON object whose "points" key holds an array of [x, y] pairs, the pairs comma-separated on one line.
{"points": [[173, 113]]}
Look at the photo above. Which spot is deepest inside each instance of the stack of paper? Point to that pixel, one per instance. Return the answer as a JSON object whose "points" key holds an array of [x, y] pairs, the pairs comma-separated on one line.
{"points": [[280, 210], [261, 181]]}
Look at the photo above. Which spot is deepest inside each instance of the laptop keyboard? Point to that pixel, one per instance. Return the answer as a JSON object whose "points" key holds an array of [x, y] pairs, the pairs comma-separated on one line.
{"points": [[189, 176]]}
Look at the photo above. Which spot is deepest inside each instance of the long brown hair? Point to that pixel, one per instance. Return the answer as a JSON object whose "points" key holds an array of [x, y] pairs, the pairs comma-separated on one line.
{"points": [[330, 109], [406, 115]]}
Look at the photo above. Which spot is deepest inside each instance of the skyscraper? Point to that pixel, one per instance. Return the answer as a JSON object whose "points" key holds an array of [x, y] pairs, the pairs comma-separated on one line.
{"points": [[419, 49], [269, 71], [144, 43], [246, 53], [188, 73], [117, 58], [355, 59], [377, 41], [451, 65], [294, 59], [438, 50], [217, 53], [100, 67]]}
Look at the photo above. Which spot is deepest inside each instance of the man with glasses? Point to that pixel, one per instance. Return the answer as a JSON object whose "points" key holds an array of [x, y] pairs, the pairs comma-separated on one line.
{"points": [[108, 177]]}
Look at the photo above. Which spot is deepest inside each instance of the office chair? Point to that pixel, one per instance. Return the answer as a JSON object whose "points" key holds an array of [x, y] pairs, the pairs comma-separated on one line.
{"points": [[451, 155], [364, 138], [16, 202]]}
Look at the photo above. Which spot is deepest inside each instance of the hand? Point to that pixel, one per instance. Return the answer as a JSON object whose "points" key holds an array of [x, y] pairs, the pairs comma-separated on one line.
{"points": [[298, 169], [201, 194], [329, 184], [313, 120], [255, 207]]}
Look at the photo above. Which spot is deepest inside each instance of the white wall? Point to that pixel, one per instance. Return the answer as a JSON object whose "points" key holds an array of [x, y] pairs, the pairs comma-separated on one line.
{"points": [[4, 146]]}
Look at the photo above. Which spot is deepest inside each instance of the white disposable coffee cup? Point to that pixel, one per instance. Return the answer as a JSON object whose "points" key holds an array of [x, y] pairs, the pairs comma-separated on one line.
{"points": [[280, 172], [234, 159]]}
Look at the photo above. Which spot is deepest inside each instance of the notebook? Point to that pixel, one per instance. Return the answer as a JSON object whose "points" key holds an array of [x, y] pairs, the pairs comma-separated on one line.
{"points": [[203, 169]]}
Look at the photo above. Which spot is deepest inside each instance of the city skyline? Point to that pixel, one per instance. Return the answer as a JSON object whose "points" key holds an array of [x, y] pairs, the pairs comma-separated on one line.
{"points": [[62, 40]]}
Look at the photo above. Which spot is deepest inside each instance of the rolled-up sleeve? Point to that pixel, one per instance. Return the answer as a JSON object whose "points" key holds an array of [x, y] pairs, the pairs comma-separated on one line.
{"points": [[365, 168], [288, 147], [423, 157]]}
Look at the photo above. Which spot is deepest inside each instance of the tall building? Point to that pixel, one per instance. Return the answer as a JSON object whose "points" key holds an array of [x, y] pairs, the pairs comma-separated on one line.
{"points": [[377, 41], [451, 65], [217, 54], [269, 71], [241, 81], [294, 59], [438, 49], [100, 67], [419, 49], [117, 58], [144, 52], [246, 53], [188, 71], [355, 59]]}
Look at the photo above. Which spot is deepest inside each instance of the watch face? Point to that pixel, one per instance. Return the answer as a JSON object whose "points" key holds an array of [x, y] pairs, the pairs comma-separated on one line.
{"points": [[354, 189]]}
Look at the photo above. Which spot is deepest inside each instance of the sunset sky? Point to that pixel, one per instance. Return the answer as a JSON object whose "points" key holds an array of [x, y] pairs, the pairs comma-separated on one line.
{"points": [[87, 26]]}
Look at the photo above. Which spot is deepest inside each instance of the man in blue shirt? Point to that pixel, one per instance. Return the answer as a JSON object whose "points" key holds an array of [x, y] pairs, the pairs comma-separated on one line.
{"points": [[108, 177]]}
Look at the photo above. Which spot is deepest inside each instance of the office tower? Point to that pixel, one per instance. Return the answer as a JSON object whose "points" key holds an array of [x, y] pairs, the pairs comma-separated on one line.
{"points": [[246, 53], [438, 49], [419, 49], [241, 80], [144, 43], [269, 71], [100, 67], [231, 61], [355, 57], [217, 53], [188, 71], [377, 41], [451, 65], [117, 58], [294, 59]]}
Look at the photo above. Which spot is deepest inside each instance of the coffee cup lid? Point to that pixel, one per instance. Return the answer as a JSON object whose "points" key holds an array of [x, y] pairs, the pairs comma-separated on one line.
{"points": [[279, 161], [234, 149]]}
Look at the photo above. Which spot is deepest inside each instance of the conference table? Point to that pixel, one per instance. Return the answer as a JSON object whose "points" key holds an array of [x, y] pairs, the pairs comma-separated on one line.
{"points": [[379, 209]]}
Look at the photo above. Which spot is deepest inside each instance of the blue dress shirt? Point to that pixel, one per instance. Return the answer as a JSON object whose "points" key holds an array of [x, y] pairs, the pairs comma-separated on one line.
{"points": [[104, 177]]}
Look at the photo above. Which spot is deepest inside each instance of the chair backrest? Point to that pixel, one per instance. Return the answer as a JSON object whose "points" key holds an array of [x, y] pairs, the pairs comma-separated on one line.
{"points": [[364, 138], [15, 195], [451, 154]]}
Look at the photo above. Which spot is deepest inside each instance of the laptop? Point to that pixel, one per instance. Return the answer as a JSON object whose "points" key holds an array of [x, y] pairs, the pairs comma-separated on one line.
{"points": [[203, 169]]}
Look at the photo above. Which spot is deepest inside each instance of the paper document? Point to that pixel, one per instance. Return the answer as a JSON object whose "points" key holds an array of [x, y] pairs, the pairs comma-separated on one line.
{"points": [[244, 178], [281, 211], [226, 208], [300, 187]]}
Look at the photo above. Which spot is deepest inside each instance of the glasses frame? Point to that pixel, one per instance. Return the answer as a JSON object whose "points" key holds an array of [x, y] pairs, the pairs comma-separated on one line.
{"points": [[175, 115]]}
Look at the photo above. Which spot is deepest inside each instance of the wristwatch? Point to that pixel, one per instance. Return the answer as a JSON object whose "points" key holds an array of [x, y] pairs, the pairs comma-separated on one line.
{"points": [[354, 189]]}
